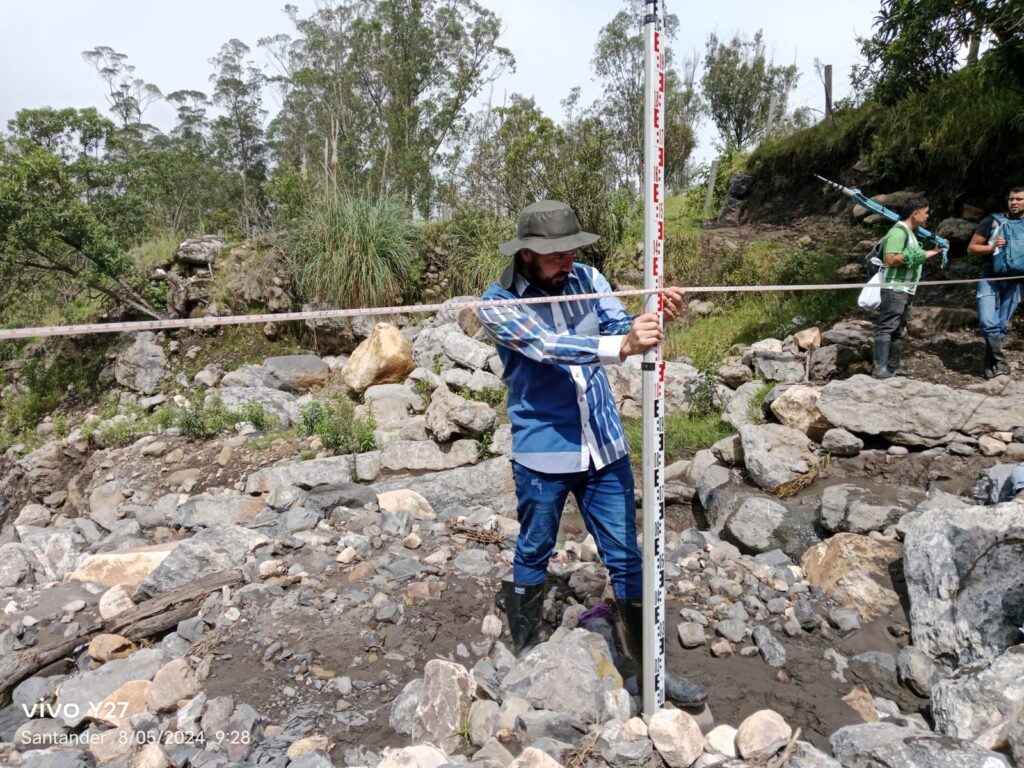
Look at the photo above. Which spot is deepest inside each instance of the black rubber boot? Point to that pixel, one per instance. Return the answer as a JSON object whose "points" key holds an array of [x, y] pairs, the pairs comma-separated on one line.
{"points": [[523, 604], [678, 689], [1000, 365], [988, 363], [895, 357], [882, 348]]}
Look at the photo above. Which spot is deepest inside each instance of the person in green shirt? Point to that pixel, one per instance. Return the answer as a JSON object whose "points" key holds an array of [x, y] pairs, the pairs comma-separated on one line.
{"points": [[904, 261]]}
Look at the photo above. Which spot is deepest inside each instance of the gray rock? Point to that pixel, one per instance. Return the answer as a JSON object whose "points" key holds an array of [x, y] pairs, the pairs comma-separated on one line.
{"points": [[57, 758], [979, 703], [620, 749], [295, 373], [734, 630], [881, 745], [858, 509], [488, 484], [199, 251], [474, 562], [57, 551], [914, 412], [779, 459], [245, 376], [683, 384], [844, 619], [737, 412], [406, 394], [403, 708], [276, 403], [729, 450], [535, 725], [315, 759], [407, 455], [806, 614], [141, 364], [34, 690], [309, 474], [210, 551], [464, 351], [734, 375], [832, 361], [839, 442], [443, 704], [808, 756], [75, 694], [450, 415], [16, 563], [580, 656], [917, 671], [778, 366], [960, 566], [771, 649], [995, 485], [205, 511], [299, 519], [691, 634], [752, 527]]}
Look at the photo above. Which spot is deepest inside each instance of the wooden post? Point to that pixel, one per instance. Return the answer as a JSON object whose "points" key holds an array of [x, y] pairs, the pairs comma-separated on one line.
{"points": [[712, 178], [828, 94], [772, 106]]}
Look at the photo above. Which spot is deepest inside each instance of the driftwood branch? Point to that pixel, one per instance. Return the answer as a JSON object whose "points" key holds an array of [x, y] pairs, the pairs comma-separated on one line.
{"points": [[148, 618]]}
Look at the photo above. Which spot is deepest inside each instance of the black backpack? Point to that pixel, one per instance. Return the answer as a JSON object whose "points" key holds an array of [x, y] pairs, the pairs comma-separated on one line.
{"points": [[874, 259]]}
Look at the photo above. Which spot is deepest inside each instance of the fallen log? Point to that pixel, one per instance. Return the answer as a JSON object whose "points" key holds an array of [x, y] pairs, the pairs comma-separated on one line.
{"points": [[146, 619]]}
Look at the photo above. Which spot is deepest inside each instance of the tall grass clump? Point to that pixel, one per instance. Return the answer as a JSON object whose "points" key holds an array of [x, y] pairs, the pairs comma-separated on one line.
{"points": [[350, 251], [469, 242]]}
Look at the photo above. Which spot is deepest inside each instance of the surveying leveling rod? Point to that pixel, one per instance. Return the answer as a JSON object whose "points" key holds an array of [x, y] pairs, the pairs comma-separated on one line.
{"points": [[653, 367]]}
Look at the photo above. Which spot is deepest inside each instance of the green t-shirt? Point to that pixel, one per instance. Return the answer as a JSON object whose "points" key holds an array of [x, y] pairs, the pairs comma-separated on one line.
{"points": [[901, 277]]}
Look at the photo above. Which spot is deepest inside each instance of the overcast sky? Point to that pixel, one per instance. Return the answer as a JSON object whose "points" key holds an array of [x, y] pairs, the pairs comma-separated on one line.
{"points": [[170, 43]]}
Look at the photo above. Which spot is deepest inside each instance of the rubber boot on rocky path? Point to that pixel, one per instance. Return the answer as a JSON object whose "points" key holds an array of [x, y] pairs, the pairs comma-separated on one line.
{"points": [[895, 357], [523, 604], [1000, 365], [882, 345], [677, 689]]}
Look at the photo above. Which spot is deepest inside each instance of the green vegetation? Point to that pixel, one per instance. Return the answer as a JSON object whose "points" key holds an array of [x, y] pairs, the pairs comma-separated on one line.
{"points": [[684, 433], [335, 423], [469, 242], [496, 398], [354, 251], [755, 411]]}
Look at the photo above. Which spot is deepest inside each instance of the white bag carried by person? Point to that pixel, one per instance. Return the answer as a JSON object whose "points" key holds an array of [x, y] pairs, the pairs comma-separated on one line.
{"points": [[871, 294]]}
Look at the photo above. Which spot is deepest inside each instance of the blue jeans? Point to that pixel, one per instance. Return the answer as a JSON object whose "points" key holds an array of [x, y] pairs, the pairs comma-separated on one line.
{"points": [[605, 498], [997, 301]]}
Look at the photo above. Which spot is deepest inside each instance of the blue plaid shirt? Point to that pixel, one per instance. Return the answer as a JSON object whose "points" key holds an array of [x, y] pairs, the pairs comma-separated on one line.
{"points": [[559, 401]]}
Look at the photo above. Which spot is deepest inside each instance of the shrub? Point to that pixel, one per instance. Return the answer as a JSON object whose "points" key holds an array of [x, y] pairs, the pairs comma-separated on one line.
{"points": [[255, 414], [353, 251], [335, 423], [469, 242], [204, 419]]}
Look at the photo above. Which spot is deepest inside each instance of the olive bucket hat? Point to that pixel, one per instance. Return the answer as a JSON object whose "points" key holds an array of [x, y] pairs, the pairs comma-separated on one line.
{"points": [[547, 226]]}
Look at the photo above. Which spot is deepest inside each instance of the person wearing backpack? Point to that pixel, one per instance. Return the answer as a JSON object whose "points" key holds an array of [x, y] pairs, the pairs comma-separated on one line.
{"points": [[999, 240], [904, 260]]}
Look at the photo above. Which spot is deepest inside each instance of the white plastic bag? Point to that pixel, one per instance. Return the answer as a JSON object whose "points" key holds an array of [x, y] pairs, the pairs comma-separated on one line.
{"points": [[871, 294]]}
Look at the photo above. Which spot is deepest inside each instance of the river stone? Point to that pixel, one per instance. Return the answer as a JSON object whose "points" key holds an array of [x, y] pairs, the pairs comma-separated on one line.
{"points": [[965, 577], [57, 551], [737, 412], [407, 455], [295, 373], [580, 656], [734, 375], [384, 357], [16, 563], [771, 649], [883, 745], [778, 366], [752, 527], [854, 570], [840, 442], [419, 756], [533, 758], [443, 704], [979, 703], [676, 736], [797, 407], [917, 671], [210, 551], [995, 484], [779, 459], [175, 680], [912, 412], [625, 742], [141, 364], [806, 755], [76, 693], [856, 509], [403, 708], [451, 415], [765, 731]]}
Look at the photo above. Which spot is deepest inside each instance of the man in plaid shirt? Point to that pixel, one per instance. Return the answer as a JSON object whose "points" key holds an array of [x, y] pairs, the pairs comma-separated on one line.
{"points": [[566, 433]]}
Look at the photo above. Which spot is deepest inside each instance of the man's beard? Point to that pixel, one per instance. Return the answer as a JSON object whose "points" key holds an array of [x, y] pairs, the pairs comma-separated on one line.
{"points": [[549, 285]]}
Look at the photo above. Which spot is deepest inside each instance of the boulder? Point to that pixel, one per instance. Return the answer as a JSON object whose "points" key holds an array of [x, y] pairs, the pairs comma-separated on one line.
{"points": [[210, 551], [854, 570], [832, 361], [734, 375], [428, 455], [883, 745], [16, 563], [779, 459], [809, 338], [443, 705], [676, 736], [450, 415], [964, 571], [737, 412], [488, 484], [780, 366], [752, 527], [141, 364], [208, 510], [797, 407], [276, 404], [419, 756], [858, 509], [840, 442], [199, 251], [580, 656], [684, 384], [77, 693], [128, 567], [762, 733], [295, 373], [467, 352], [309, 474], [908, 411], [57, 551], [981, 702], [386, 356]]}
